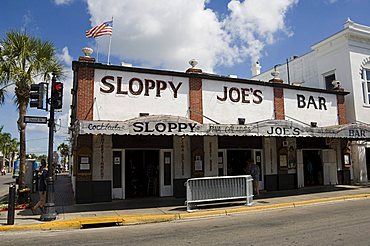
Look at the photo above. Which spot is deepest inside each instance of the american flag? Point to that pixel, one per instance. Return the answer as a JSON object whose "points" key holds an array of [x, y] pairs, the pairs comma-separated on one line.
{"points": [[105, 28]]}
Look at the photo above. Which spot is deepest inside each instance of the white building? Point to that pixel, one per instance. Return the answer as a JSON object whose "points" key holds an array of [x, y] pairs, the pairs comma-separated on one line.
{"points": [[143, 132], [345, 59]]}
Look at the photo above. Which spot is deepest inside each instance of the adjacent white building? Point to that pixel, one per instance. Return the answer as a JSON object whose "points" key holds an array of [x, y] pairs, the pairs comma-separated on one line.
{"points": [[343, 58]]}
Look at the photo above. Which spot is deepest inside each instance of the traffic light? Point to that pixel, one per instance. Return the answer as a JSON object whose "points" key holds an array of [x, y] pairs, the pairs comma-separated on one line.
{"points": [[57, 95], [37, 96]]}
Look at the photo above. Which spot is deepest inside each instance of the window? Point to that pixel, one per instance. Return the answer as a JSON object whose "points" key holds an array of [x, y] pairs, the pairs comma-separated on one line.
{"points": [[328, 79], [366, 86]]}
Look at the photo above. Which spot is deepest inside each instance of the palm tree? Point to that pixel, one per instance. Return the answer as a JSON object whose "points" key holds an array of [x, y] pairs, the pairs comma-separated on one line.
{"points": [[64, 152], [23, 60], [13, 150], [8, 147], [5, 139]]}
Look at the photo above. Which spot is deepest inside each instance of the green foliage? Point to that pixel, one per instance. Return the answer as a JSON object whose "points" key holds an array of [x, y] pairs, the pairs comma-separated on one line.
{"points": [[64, 152], [7, 143], [40, 157], [25, 60]]}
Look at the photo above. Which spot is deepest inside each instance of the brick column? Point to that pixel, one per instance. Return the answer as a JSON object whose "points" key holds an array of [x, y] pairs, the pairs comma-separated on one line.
{"points": [[278, 100], [85, 102], [341, 110], [195, 96], [85, 93], [196, 114]]}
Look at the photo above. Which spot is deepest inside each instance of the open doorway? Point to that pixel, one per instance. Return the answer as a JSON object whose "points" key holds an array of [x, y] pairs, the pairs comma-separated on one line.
{"points": [[237, 161], [142, 173], [312, 167]]}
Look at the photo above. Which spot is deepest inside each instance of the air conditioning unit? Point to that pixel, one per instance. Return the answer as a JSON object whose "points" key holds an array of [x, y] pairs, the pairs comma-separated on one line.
{"points": [[285, 144]]}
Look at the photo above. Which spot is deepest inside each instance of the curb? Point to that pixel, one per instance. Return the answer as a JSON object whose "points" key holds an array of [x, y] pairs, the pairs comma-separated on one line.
{"points": [[79, 223]]}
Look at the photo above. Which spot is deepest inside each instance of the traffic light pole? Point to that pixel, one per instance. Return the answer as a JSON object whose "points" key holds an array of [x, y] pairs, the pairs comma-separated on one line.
{"points": [[50, 213]]}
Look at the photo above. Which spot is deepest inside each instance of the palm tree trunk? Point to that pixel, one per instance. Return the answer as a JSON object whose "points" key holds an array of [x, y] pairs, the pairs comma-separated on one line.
{"points": [[22, 143]]}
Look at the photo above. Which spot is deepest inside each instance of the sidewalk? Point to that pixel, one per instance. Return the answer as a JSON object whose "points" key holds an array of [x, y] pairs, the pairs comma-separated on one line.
{"points": [[144, 210]]}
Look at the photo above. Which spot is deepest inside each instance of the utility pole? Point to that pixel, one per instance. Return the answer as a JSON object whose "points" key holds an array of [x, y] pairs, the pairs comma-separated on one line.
{"points": [[50, 213]]}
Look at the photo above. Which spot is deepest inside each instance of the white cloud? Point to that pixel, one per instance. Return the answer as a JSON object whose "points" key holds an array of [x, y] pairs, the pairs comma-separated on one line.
{"points": [[256, 22], [168, 33], [65, 57], [36, 128], [28, 23], [62, 2]]}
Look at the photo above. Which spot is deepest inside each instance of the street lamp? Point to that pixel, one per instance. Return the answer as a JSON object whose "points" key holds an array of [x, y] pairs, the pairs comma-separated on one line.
{"points": [[276, 73], [50, 213]]}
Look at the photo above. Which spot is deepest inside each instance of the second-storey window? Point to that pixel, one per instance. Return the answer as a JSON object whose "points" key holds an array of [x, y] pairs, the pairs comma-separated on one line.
{"points": [[366, 86], [328, 81]]}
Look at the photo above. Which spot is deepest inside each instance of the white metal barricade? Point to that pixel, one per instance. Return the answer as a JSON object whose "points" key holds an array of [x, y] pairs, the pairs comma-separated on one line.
{"points": [[213, 189]]}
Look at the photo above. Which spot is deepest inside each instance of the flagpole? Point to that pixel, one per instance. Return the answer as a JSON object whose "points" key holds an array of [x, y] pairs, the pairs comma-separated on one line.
{"points": [[110, 42], [97, 50]]}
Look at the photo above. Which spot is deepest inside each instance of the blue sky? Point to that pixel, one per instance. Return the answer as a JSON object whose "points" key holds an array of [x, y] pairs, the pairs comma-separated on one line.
{"points": [[224, 36]]}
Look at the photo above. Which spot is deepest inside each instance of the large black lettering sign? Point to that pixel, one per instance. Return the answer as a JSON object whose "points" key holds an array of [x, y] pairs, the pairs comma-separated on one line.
{"points": [[303, 102], [137, 86], [283, 131], [161, 127], [357, 133], [243, 95]]}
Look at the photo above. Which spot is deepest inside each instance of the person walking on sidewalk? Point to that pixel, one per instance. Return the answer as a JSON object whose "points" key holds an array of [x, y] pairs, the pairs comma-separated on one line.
{"points": [[254, 170], [43, 173], [3, 171]]}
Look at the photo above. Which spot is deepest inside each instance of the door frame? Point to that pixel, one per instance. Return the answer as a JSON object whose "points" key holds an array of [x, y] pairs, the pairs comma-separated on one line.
{"points": [[119, 193], [320, 151], [300, 168], [254, 156], [330, 168], [165, 190], [224, 161], [261, 184]]}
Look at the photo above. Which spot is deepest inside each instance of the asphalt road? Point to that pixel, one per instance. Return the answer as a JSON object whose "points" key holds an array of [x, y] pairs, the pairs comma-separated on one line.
{"points": [[337, 223]]}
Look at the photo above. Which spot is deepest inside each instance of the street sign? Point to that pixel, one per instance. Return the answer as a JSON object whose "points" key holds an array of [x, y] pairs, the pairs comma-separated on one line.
{"points": [[35, 119]]}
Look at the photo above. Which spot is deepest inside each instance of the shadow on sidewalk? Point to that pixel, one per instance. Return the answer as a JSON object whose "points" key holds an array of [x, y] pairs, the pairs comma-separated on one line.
{"points": [[304, 191], [63, 195], [129, 204]]}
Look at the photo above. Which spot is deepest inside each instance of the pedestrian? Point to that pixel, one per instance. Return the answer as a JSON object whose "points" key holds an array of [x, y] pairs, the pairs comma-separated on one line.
{"points": [[3, 171], [254, 170], [309, 168], [43, 173]]}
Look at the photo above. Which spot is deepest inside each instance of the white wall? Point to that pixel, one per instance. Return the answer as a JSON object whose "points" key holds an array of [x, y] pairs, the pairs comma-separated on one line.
{"points": [[343, 55], [302, 70], [228, 112], [309, 113], [115, 107], [362, 111]]}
